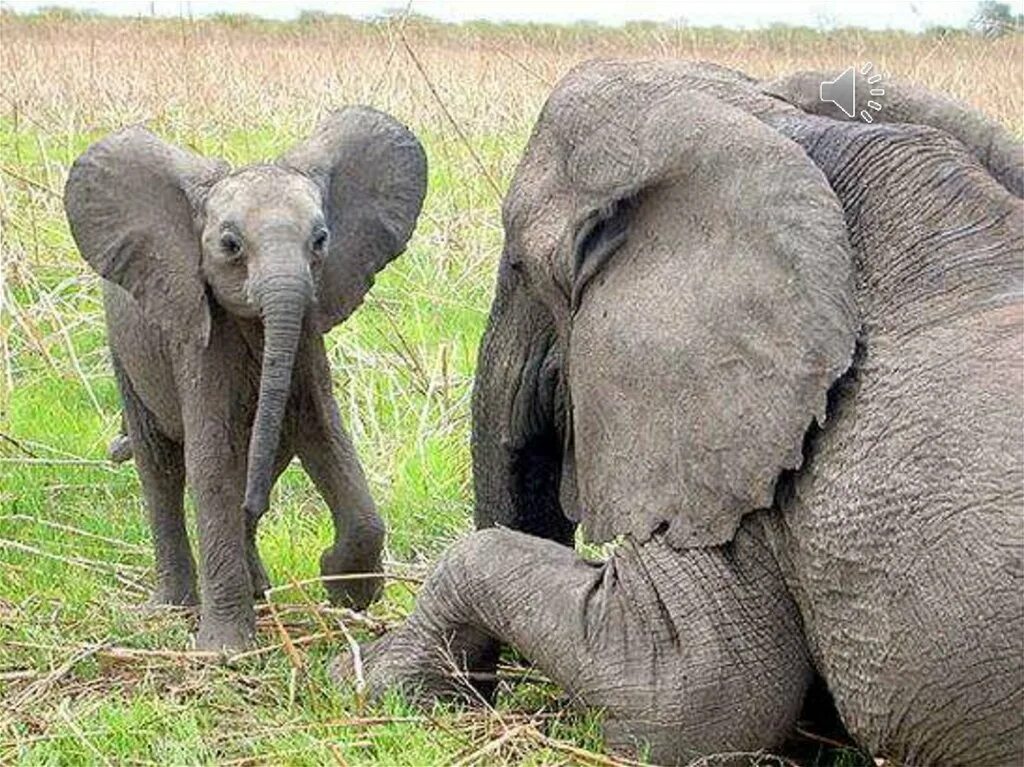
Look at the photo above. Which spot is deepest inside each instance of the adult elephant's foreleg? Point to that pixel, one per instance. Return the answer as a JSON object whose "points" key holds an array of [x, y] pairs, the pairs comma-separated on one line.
{"points": [[688, 652]]}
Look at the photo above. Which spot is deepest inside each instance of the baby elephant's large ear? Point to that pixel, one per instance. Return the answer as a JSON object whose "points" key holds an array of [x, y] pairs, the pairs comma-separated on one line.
{"points": [[130, 200], [374, 175]]}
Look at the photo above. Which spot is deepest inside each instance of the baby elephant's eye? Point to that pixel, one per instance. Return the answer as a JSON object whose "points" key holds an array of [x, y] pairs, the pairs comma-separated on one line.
{"points": [[231, 243], [318, 244]]}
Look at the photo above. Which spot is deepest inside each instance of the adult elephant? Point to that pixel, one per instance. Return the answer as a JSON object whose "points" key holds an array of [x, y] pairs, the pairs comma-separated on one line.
{"points": [[779, 357]]}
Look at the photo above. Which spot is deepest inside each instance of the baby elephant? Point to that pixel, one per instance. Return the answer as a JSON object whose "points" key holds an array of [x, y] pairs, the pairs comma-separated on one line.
{"points": [[219, 286]]}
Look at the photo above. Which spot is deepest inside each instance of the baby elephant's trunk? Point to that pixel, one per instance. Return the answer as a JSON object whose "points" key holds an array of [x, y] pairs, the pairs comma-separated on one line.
{"points": [[283, 300]]}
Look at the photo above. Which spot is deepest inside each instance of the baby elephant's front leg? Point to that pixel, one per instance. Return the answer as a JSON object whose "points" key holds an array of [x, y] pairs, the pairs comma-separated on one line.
{"points": [[328, 456], [331, 462], [217, 476]]}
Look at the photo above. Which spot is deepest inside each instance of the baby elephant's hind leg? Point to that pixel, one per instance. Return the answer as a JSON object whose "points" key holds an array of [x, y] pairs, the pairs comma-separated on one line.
{"points": [[120, 448], [161, 467], [257, 571]]}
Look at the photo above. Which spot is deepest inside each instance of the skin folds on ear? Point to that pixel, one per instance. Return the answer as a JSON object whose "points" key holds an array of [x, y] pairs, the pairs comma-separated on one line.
{"points": [[127, 199], [373, 172], [704, 346]]}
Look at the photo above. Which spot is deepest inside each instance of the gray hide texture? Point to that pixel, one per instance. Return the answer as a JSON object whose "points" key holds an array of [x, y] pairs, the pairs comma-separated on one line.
{"points": [[653, 336], [904, 102]]}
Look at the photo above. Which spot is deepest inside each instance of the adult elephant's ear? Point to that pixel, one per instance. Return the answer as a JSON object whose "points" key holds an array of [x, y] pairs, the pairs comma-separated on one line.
{"points": [[719, 313], [373, 172], [132, 201]]}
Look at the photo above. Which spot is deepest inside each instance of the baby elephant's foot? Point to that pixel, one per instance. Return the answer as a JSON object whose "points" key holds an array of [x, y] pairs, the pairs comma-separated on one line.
{"points": [[174, 595], [426, 667], [224, 636], [120, 449], [360, 585]]}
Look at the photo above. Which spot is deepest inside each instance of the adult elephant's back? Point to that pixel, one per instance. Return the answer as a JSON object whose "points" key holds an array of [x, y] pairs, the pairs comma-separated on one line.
{"points": [[902, 535]]}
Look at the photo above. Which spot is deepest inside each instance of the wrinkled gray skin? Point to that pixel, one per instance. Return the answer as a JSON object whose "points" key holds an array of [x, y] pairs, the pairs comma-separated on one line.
{"points": [[219, 287], [780, 356], [905, 102]]}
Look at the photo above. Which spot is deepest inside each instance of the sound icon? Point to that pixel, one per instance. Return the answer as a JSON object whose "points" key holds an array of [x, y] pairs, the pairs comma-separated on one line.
{"points": [[842, 91]]}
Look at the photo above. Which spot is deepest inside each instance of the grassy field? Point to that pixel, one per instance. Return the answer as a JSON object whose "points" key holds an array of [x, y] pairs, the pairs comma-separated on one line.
{"points": [[87, 675]]}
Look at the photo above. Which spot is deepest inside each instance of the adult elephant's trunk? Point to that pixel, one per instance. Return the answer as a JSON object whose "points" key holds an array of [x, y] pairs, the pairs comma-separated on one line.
{"points": [[518, 437], [283, 299]]}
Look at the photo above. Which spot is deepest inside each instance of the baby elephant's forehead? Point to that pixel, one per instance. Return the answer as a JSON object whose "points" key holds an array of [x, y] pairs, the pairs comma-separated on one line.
{"points": [[265, 188]]}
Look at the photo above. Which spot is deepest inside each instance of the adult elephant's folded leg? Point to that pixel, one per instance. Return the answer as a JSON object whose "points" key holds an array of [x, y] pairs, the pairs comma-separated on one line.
{"points": [[687, 652]]}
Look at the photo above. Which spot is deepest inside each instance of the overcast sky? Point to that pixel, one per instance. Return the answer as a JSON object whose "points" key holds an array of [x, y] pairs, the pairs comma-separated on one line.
{"points": [[912, 15]]}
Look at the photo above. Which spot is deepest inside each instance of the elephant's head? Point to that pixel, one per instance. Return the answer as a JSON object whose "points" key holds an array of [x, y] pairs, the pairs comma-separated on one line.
{"points": [[674, 301], [286, 244]]}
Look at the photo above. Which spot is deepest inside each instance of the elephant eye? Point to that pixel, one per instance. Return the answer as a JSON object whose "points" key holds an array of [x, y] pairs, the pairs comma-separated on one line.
{"points": [[231, 243], [319, 242]]}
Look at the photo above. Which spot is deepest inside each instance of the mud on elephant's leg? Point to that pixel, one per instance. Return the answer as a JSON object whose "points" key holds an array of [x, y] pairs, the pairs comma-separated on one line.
{"points": [[329, 458], [687, 652]]}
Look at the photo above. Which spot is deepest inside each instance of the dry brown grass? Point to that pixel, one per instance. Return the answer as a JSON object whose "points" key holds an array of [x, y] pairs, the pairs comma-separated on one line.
{"points": [[95, 75]]}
